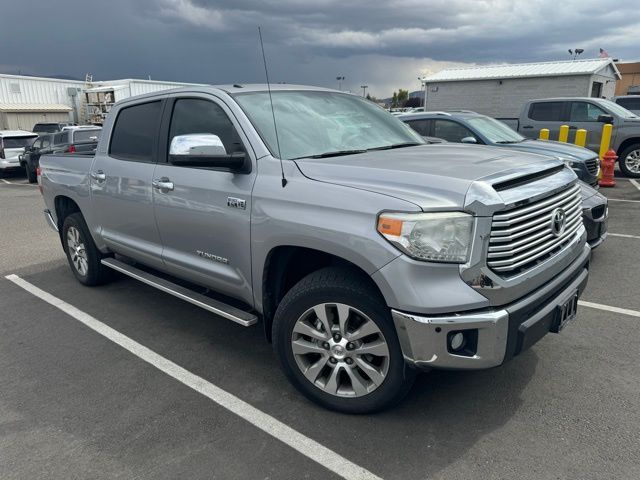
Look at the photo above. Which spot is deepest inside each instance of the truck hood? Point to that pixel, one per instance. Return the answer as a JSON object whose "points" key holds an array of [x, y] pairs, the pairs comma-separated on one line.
{"points": [[431, 176], [553, 149]]}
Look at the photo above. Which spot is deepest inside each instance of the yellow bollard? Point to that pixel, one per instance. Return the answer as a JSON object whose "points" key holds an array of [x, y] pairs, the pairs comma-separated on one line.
{"points": [[563, 136], [581, 137], [606, 139], [544, 134]]}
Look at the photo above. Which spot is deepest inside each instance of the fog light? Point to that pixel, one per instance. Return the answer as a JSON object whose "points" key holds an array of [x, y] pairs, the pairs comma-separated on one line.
{"points": [[456, 341]]}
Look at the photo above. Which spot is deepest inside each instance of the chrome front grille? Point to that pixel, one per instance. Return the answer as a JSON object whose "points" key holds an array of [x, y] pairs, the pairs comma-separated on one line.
{"points": [[524, 236], [592, 165]]}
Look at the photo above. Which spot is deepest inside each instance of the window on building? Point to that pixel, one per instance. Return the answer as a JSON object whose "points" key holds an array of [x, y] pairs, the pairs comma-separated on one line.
{"points": [[596, 89]]}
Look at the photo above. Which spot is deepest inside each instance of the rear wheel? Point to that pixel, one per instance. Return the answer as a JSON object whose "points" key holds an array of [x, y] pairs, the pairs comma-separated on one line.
{"points": [[336, 342], [629, 161], [31, 174], [82, 253]]}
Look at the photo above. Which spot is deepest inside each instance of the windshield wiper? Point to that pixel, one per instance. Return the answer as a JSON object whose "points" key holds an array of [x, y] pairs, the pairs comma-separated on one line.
{"points": [[396, 145], [504, 142], [336, 153]]}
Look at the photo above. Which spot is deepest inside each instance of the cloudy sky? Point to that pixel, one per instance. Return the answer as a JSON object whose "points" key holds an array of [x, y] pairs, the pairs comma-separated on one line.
{"points": [[383, 44]]}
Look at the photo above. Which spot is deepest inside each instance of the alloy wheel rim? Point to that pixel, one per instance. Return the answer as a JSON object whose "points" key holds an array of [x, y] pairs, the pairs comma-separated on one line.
{"points": [[632, 161], [77, 251], [340, 350]]}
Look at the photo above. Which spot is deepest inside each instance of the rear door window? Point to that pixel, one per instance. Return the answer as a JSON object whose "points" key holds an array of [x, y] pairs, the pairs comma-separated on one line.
{"points": [[61, 138], [135, 132], [420, 126], [450, 131], [547, 111]]}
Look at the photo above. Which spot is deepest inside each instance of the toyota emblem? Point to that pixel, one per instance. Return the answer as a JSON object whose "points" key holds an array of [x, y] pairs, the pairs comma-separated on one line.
{"points": [[558, 221]]}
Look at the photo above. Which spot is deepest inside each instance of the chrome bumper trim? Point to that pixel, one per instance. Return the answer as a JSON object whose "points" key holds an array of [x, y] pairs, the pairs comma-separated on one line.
{"points": [[424, 339], [50, 221]]}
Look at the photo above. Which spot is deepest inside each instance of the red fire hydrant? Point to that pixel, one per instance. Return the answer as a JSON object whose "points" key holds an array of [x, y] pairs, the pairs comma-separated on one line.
{"points": [[608, 164]]}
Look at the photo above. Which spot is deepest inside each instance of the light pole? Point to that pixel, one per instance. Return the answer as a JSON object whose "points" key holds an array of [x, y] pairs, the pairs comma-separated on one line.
{"points": [[423, 84], [364, 90], [340, 78]]}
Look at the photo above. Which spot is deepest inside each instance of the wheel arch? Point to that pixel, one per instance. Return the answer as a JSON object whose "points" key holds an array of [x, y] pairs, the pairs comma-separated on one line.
{"points": [[286, 265]]}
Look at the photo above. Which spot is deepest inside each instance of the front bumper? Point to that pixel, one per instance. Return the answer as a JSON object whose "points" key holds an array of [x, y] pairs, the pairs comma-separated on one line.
{"points": [[500, 334]]}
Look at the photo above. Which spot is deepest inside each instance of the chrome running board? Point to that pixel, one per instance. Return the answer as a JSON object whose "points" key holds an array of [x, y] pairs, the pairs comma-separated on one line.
{"points": [[229, 312]]}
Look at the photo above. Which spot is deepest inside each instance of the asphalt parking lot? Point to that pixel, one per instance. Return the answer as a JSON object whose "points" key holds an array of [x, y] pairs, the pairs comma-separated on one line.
{"points": [[76, 404]]}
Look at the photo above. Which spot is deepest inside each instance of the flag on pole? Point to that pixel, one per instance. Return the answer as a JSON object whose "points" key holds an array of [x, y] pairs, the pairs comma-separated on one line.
{"points": [[603, 53]]}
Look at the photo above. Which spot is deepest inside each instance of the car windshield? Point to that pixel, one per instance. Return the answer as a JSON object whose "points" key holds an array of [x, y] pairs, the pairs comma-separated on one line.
{"points": [[46, 128], [317, 124], [617, 109], [494, 130], [18, 142]]}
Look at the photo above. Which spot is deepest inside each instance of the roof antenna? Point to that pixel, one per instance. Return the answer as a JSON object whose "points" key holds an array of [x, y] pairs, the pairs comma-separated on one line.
{"points": [[273, 112]]}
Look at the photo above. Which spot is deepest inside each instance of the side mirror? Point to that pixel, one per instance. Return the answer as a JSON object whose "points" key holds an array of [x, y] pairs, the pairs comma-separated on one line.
{"points": [[204, 150], [469, 140], [605, 118]]}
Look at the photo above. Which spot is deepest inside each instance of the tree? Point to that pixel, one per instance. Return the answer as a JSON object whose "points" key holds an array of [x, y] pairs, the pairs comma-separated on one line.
{"points": [[403, 96], [394, 100]]}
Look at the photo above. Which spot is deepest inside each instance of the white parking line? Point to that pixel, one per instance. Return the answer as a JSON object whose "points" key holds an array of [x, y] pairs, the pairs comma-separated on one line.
{"points": [[635, 183], [621, 200], [599, 306], [18, 184], [623, 235], [268, 424]]}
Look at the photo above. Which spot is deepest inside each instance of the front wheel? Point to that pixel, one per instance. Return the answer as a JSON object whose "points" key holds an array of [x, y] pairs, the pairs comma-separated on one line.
{"points": [[629, 161], [337, 344]]}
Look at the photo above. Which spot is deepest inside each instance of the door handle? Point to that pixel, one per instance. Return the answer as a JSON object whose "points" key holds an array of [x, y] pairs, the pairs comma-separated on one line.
{"points": [[99, 176], [162, 184], [527, 126]]}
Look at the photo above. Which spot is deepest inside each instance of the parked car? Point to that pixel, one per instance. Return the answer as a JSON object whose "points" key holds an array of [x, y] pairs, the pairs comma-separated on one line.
{"points": [[589, 114], [12, 145], [364, 252], [31, 156], [474, 128], [630, 102], [77, 139], [50, 127]]}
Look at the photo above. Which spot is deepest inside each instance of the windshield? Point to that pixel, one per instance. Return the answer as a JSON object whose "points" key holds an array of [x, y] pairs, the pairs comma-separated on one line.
{"points": [[617, 109], [46, 128], [494, 130], [18, 142], [312, 123]]}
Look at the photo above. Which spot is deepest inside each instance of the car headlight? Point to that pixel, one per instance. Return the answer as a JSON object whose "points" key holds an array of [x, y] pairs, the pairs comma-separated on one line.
{"points": [[434, 237], [567, 162]]}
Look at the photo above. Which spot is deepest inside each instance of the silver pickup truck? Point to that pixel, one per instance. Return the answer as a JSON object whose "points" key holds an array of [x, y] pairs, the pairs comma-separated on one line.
{"points": [[364, 253]]}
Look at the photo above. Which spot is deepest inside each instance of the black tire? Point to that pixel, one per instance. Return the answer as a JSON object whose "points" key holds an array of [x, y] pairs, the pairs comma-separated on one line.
{"points": [[31, 174], [349, 287], [622, 161], [96, 273]]}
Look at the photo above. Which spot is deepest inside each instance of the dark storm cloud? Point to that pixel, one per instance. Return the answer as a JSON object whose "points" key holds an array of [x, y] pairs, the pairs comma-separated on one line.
{"points": [[384, 44]]}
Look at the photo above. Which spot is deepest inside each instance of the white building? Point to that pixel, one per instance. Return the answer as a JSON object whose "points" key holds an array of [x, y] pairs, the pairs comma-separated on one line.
{"points": [[25, 100], [501, 90]]}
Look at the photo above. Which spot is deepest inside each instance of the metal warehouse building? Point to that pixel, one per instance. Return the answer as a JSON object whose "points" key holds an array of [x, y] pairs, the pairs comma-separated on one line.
{"points": [[25, 101], [501, 90]]}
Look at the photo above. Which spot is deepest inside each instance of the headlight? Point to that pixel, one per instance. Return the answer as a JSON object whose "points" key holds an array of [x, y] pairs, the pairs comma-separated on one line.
{"points": [[567, 162], [434, 237]]}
